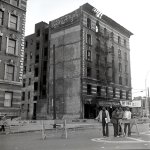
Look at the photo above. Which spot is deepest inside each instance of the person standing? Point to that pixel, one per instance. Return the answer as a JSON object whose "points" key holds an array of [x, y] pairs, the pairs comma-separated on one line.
{"points": [[120, 116], [114, 121], [104, 118], [3, 123], [127, 116]]}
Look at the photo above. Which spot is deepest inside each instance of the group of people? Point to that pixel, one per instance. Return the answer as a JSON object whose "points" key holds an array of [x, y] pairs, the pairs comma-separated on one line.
{"points": [[117, 115]]}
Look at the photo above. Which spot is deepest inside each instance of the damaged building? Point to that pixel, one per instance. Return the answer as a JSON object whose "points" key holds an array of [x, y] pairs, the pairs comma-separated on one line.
{"points": [[82, 63]]}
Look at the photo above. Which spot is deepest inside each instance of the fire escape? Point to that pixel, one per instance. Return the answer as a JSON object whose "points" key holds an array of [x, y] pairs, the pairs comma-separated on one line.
{"points": [[103, 51]]}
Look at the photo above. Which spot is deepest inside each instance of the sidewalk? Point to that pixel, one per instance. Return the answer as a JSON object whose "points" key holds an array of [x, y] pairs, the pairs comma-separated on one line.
{"points": [[37, 126], [31, 126]]}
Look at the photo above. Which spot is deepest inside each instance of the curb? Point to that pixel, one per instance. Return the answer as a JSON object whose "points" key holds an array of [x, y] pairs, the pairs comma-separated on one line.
{"points": [[69, 128]]}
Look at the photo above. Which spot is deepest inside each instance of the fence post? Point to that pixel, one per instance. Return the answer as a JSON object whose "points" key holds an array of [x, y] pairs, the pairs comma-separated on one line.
{"points": [[64, 129], [43, 131]]}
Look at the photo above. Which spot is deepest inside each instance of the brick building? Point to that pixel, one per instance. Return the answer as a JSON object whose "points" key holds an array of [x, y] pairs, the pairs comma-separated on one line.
{"points": [[12, 28], [34, 92], [92, 62], [91, 66]]}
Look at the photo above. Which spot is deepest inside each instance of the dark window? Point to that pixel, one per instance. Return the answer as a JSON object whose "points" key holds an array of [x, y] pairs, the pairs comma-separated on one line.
{"points": [[37, 45], [0, 43], [44, 92], [22, 107], [13, 22], [36, 73], [97, 59], [1, 17], [31, 41], [30, 68], [89, 23], [120, 94], [88, 55], [24, 70], [35, 86], [44, 79], [125, 43], [35, 98], [89, 89], [112, 36], [114, 92], [119, 40], [97, 74], [23, 96], [89, 39], [28, 109], [25, 58], [89, 71], [45, 66], [112, 50], [120, 80], [37, 59], [98, 91], [127, 94], [26, 44], [45, 51], [29, 81], [31, 55], [46, 37], [28, 95], [24, 82], [38, 32]]}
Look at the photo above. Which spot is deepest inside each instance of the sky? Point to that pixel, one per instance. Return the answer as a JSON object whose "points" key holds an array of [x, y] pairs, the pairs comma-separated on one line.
{"points": [[134, 15]]}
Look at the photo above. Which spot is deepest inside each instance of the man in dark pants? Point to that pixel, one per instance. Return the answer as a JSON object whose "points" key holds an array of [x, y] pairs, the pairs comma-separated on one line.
{"points": [[114, 121], [104, 118], [120, 116]]}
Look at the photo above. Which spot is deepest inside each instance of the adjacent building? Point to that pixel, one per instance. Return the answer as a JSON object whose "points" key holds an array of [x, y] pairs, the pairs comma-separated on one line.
{"points": [[35, 78], [88, 57], [139, 106], [12, 28]]}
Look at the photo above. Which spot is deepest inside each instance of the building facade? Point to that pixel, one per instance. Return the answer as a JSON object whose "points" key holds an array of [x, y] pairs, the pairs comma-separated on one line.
{"points": [[92, 63], [34, 92], [12, 28], [88, 65]]}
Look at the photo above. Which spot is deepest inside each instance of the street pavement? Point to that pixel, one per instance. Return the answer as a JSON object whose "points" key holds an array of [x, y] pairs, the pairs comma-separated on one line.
{"points": [[88, 138]]}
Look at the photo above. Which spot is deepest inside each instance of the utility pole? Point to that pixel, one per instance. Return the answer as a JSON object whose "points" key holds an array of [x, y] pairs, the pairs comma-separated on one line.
{"points": [[148, 101], [147, 95], [54, 104]]}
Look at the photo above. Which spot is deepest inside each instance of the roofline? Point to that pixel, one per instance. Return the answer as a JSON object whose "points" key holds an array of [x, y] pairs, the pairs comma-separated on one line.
{"points": [[93, 11], [116, 25]]}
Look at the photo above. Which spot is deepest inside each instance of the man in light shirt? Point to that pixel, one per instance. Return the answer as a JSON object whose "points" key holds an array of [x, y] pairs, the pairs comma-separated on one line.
{"points": [[127, 116]]}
